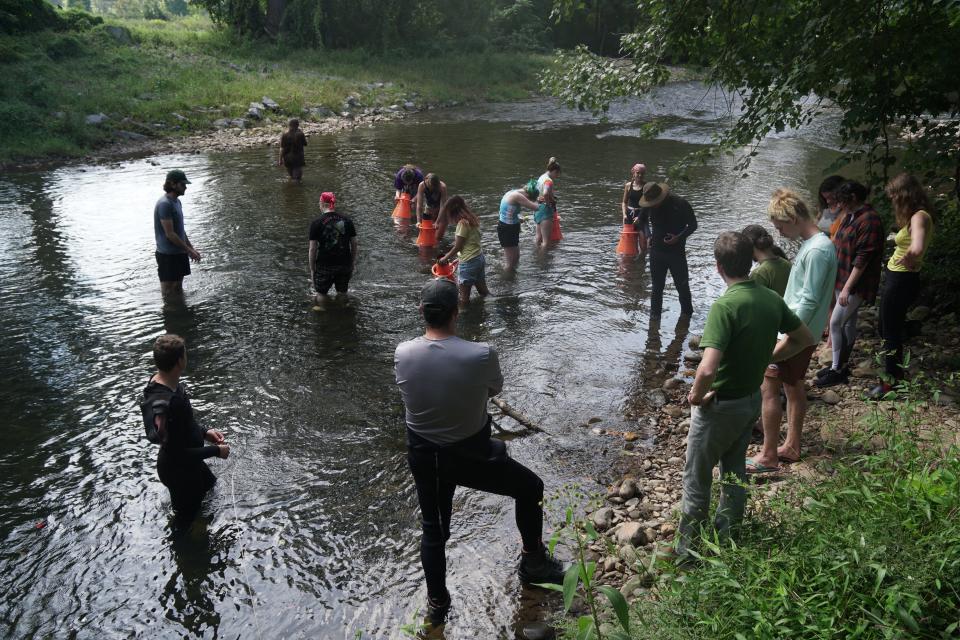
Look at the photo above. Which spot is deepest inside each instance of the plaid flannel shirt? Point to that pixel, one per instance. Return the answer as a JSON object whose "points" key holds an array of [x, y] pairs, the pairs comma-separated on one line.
{"points": [[859, 243]]}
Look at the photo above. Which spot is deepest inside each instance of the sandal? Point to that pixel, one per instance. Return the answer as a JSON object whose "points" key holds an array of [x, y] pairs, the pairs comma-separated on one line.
{"points": [[754, 467], [789, 459]]}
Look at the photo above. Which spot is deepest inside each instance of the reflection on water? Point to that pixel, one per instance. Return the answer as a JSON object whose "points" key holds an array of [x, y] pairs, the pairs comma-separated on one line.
{"points": [[312, 528]]}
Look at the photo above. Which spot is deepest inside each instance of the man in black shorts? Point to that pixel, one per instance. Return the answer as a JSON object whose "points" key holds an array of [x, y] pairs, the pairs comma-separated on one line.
{"points": [[174, 250], [333, 248]]}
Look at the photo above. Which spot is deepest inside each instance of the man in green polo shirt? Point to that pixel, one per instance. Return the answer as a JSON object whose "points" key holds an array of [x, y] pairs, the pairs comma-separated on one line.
{"points": [[738, 343]]}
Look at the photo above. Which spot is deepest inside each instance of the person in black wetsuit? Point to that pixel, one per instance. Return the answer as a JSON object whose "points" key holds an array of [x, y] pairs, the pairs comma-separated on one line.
{"points": [[169, 421]]}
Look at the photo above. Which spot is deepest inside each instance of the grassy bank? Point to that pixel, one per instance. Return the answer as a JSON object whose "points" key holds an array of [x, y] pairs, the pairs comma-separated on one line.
{"points": [[870, 550], [53, 80]]}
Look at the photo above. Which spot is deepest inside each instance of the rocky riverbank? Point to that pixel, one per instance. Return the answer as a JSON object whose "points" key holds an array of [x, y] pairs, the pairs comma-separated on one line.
{"points": [[641, 506]]}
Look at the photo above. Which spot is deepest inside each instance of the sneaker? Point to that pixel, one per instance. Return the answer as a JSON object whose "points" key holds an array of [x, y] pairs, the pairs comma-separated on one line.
{"points": [[437, 611], [879, 392], [540, 567], [824, 371], [832, 378]]}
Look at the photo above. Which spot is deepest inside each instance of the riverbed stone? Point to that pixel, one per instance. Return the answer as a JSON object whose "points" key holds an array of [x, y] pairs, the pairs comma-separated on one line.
{"points": [[694, 341], [632, 584], [628, 489], [255, 111], [657, 398], [673, 411], [630, 436], [270, 103], [628, 553], [692, 356], [830, 397], [594, 420], [671, 384], [537, 631], [602, 518], [631, 533], [919, 313], [96, 118]]}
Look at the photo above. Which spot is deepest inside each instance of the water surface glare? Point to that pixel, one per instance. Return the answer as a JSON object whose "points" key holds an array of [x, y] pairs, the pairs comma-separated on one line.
{"points": [[312, 530]]}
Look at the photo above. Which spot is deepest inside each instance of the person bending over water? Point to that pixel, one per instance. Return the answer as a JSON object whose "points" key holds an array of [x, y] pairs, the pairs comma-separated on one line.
{"points": [[508, 227], [630, 204], [431, 196], [292, 157], [472, 269], [407, 181], [169, 421], [547, 210]]}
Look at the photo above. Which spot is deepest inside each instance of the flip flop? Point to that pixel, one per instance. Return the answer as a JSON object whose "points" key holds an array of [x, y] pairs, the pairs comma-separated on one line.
{"points": [[755, 467], [789, 459]]}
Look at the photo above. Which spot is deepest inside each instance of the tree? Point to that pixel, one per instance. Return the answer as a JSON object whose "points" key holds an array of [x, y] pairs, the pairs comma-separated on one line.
{"points": [[888, 65]]}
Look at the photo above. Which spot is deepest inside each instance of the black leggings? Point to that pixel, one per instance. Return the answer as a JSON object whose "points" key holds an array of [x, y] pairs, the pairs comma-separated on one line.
{"points": [[900, 289], [478, 463], [676, 263]]}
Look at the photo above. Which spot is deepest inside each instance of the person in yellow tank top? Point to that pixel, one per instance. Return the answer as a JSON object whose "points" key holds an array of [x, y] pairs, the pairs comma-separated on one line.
{"points": [[912, 210], [471, 272]]}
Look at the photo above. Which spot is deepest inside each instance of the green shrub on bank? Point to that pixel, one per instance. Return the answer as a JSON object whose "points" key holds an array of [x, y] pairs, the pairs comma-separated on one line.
{"points": [[872, 551]]}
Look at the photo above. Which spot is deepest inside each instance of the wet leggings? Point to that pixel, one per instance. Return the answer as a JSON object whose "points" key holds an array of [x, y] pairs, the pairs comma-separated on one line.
{"points": [[899, 291], [843, 330], [478, 463]]}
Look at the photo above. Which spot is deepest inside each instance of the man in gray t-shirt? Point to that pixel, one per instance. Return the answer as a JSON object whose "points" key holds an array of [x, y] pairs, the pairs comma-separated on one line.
{"points": [[445, 383], [174, 250]]}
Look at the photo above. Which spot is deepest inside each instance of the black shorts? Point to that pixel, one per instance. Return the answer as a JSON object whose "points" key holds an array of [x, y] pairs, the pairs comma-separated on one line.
{"points": [[509, 234], [171, 267], [325, 277]]}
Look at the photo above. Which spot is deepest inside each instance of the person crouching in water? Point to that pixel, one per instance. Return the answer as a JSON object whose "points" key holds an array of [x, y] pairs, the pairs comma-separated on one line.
{"points": [[430, 198], [169, 421], [445, 383], [472, 269], [508, 227], [544, 217], [333, 249]]}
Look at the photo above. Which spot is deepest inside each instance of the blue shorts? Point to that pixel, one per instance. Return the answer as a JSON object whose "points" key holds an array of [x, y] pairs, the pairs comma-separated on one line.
{"points": [[472, 271], [545, 212]]}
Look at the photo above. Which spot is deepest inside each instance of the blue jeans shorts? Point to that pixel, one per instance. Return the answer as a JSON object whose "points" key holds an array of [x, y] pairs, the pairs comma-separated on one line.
{"points": [[472, 271]]}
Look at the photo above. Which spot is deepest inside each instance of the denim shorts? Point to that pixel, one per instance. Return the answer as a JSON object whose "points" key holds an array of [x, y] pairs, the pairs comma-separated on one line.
{"points": [[472, 271]]}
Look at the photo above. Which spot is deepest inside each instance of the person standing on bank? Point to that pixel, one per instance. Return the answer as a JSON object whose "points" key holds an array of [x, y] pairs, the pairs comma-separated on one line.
{"points": [[912, 211], [808, 294], [630, 204], [738, 342], [508, 226], [292, 155], [671, 221], [773, 267], [445, 383], [174, 250], [169, 421], [332, 252]]}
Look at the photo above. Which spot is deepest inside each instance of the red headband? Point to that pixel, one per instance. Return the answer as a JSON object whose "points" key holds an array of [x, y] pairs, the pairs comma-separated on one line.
{"points": [[328, 197]]}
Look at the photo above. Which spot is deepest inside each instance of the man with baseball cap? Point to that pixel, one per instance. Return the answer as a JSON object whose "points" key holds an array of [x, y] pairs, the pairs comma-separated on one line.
{"points": [[445, 383], [671, 222], [174, 250]]}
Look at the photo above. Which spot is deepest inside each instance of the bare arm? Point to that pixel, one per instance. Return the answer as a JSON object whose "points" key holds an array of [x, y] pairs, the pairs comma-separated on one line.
{"points": [[918, 238], [623, 202], [457, 246], [421, 202], [172, 236], [706, 374], [312, 257], [525, 202]]}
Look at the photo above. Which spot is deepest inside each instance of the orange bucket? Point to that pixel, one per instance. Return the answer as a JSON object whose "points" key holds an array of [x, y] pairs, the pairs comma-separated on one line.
{"points": [[444, 270], [555, 234], [402, 210], [428, 234], [628, 245]]}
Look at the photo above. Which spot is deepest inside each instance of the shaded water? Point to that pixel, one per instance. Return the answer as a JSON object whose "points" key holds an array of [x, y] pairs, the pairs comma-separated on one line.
{"points": [[312, 530]]}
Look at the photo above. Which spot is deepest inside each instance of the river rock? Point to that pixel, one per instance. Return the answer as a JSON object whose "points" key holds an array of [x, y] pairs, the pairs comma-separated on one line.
{"points": [[692, 356], [609, 564], [130, 135], [537, 631], [671, 384], [255, 111], [631, 533], [628, 489], [919, 313], [694, 341], [864, 372], [628, 553], [667, 529], [673, 411], [602, 518], [657, 398], [96, 118], [830, 397], [675, 460], [409, 106], [630, 436], [270, 104], [594, 420], [631, 585]]}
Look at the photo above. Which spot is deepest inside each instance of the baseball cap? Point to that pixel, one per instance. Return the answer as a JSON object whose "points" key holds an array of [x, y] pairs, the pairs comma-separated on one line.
{"points": [[439, 293], [177, 176]]}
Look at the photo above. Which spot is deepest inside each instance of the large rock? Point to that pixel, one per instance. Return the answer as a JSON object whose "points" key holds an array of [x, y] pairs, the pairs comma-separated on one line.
{"points": [[657, 398], [255, 111], [270, 104], [628, 553], [919, 313], [671, 384], [692, 356], [631, 585], [694, 341], [830, 396], [631, 533], [96, 118], [628, 489], [602, 518]]}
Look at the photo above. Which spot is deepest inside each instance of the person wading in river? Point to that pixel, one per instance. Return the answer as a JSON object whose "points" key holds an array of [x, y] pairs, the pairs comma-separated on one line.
{"points": [[174, 250], [332, 252], [169, 421], [671, 221], [445, 383], [291, 156], [738, 342]]}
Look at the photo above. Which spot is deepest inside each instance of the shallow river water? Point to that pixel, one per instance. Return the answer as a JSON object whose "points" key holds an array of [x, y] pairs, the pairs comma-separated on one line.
{"points": [[312, 530]]}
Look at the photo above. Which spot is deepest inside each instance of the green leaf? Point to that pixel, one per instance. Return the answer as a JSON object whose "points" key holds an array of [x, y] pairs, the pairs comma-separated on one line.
{"points": [[585, 627], [619, 604], [554, 539], [570, 580], [591, 530]]}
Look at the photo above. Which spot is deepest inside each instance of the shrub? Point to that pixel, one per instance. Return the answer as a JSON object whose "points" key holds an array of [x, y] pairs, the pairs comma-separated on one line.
{"points": [[64, 46]]}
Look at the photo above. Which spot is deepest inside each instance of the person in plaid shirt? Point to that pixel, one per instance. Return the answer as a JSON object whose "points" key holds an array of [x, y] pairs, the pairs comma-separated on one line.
{"points": [[859, 245]]}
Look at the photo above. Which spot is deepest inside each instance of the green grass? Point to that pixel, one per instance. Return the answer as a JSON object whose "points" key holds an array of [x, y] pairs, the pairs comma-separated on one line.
{"points": [[51, 81], [872, 551]]}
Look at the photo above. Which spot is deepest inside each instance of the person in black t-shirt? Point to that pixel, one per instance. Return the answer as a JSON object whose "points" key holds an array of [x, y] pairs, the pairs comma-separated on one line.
{"points": [[169, 421], [333, 248], [671, 220]]}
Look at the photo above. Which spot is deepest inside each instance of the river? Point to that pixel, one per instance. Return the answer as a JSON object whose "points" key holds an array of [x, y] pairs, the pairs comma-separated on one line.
{"points": [[312, 530]]}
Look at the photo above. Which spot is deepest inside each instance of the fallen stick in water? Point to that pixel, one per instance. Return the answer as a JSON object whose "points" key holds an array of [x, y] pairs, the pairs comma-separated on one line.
{"points": [[516, 415]]}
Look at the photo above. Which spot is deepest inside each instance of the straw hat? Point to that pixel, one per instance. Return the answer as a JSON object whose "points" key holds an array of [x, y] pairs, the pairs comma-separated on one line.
{"points": [[654, 193]]}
